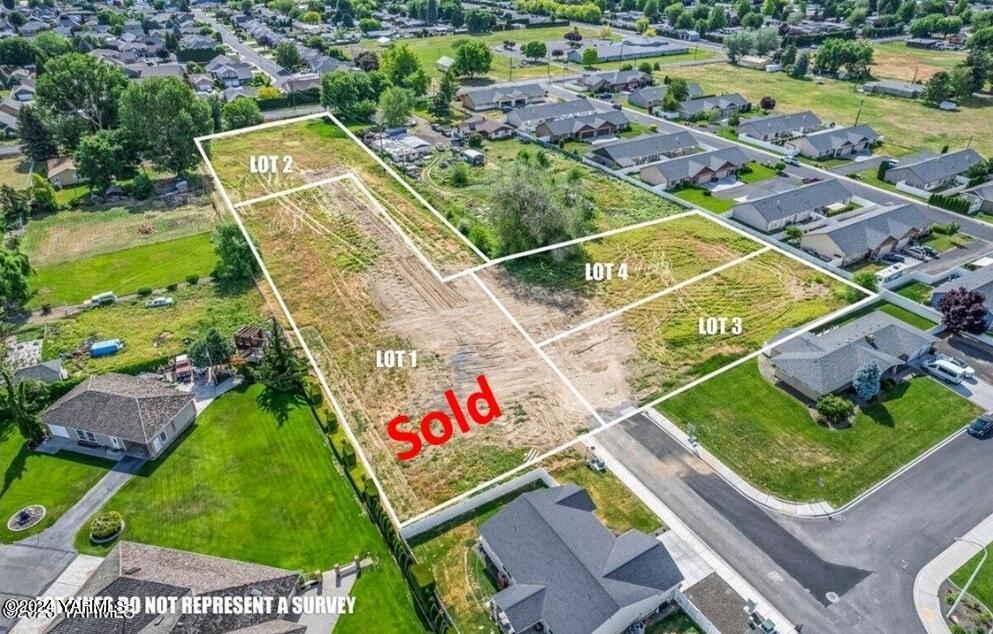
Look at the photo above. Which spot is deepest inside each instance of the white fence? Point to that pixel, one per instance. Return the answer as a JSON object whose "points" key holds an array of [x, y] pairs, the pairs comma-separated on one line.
{"points": [[913, 191], [470, 504], [772, 147]]}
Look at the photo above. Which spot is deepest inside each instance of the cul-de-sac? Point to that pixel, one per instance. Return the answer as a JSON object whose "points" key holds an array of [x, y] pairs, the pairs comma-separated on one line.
{"points": [[496, 316]]}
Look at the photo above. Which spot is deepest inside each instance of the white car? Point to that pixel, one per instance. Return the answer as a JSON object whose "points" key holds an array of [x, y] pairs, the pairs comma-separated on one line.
{"points": [[968, 369], [946, 370], [159, 302]]}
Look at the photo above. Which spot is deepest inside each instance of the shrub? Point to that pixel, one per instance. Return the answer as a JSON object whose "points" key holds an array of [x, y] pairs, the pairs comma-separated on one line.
{"points": [[141, 187], [144, 291], [865, 279], [780, 166], [423, 578], [460, 175], [192, 279], [348, 455], [106, 525], [172, 287], [834, 408], [330, 419]]}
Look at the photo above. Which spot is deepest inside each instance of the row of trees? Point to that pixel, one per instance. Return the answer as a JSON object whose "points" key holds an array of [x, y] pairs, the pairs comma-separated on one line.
{"points": [[759, 42]]}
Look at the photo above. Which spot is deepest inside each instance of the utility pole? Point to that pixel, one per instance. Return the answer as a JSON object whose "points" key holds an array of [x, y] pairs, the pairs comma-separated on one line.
{"points": [[859, 114]]}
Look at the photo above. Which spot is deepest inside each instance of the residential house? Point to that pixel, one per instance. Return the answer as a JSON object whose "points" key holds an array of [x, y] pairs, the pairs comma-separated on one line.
{"points": [[404, 148], [980, 198], [560, 570], [723, 105], [46, 371], [487, 128], [613, 81], [529, 118], [607, 51], [778, 127], [202, 83], [867, 235], [301, 82], [133, 415], [25, 91], [754, 62], [501, 96], [139, 571], [643, 149], [980, 280], [776, 211], [62, 172], [895, 88], [818, 364], [584, 127], [836, 142], [8, 124], [650, 97], [158, 70], [695, 169], [936, 172]]}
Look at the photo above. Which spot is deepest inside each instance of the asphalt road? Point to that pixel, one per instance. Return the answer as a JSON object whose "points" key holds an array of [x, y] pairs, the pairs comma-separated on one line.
{"points": [[851, 573], [248, 54]]}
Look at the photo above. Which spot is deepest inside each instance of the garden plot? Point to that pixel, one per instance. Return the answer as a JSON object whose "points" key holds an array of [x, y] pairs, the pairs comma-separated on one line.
{"points": [[319, 150], [655, 347], [354, 287], [549, 293]]}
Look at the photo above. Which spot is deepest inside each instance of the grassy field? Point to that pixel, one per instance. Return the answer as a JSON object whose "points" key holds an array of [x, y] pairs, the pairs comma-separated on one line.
{"points": [[76, 234], [982, 585], [213, 493], [150, 333], [903, 122], [890, 309], [123, 272], [916, 291], [56, 482], [770, 438], [16, 172], [896, 60]]}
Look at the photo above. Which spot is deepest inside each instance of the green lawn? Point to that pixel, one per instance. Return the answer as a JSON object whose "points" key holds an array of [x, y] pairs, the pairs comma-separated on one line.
{"points": [[15, 172], [758, 172], [704, 199], [916, 291], [890, 309], [56, 482], [123, 272], [771, 440], [941, 242], [676, 623], [982, 585], [252, 481], [150, 333]]}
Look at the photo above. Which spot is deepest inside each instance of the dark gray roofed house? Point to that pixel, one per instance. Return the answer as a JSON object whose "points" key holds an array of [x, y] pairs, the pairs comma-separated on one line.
{"points": [[46, 372], [724, 105], [781, 126], [613, 80], [137, 570], [501, 96], [561, 568], [531, 117], [980, 280], [936, 172], [793, 206], [643, 149], [695, 168], [137, 416], [816, 365], [612, 52], [868, 235], [836, 142], [584, 127], [980, 198], [652, 96]]}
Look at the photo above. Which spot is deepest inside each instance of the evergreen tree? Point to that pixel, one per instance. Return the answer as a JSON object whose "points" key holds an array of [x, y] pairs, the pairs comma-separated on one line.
{"points": [[866, 381], [36, 139], [279, 369], [16, 408]]}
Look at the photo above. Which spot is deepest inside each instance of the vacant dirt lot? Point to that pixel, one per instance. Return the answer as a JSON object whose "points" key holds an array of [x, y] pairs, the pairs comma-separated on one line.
{"points": [[548, 293], [656, 347], [355, 288], [320, 150]]}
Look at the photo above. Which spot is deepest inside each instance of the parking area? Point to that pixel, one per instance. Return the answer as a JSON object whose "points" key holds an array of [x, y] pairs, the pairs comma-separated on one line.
{"points": [[977, 354]]}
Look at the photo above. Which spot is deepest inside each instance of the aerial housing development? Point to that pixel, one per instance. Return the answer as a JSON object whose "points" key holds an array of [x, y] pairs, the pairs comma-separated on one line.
{"points": [[496, 317]]}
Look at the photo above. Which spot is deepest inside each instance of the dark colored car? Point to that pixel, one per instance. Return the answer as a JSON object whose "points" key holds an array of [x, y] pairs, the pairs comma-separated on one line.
{"points": [[981, 427]]}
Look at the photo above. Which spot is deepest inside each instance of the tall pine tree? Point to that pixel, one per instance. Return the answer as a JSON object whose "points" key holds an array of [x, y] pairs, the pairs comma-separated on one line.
{"points": [[36, 139]]}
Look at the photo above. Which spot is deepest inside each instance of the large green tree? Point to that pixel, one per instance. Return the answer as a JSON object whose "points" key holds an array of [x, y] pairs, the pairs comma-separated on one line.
{"points": [[395, 107], [241, 113], [402, 68], [81, 87], [278, 369], [472, 57], [16, 409], [210, 351], [234, 259], [100, 159], [14, 272], [36, 139], [287, 55], [161, 117]]}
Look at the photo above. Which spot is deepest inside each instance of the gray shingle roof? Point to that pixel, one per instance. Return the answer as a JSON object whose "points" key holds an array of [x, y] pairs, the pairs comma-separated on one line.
{"points": [[689, 166], [835, 138], [979, 280], [793, 201], [653, 95], [828, 362], [869, 230], [128, 407], [628, 152], [719, 102], [572, 125], [936, 168], [777, 124], [543, 112], [46, 371], [550, 539], [489, 94]]}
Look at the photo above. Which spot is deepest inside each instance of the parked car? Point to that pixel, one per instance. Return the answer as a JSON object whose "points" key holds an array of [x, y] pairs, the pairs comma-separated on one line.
{"points": [[103, 299], [969, 370], [945, 370], [926, 249], [917, 252], [810, 179], [893, 257], [789, 160], [159, 302], [981, 427]]}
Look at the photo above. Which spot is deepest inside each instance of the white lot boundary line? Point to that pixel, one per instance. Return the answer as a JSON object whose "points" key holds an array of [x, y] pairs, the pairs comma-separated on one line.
{"points": [[653, 297], [292, 190], [407, 186], [339, 411], [568, 243], [261, 126], [591, 434]]}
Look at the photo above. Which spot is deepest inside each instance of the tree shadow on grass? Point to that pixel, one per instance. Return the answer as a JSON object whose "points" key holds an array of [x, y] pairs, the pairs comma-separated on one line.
{"points": [[15, 470], [878, 412], [279, 404]]}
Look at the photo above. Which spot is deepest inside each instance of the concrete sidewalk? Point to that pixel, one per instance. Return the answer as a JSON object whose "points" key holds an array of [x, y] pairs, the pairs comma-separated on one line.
{"points": [[929, 606]]}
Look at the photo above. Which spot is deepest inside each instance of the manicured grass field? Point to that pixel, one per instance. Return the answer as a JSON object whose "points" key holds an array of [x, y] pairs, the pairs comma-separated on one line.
{"points": [[76, 234], [896, 60], [903, 122], [123, 272], [151, 333], [982, 585], [252, 481], [703, 199], [56, 482], [916, 291], [890, 309], [770, 438]]}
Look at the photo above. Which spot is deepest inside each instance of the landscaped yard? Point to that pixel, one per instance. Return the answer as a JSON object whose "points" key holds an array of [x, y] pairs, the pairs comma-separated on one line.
{"points": [[756, 172], [883, 306], [916, 291], [770, 438], [982, 585], [903, 122], [123, 272], [676, 623], [56, 482], [150, 333], [252, 481], [704, 199], [942, 242]]}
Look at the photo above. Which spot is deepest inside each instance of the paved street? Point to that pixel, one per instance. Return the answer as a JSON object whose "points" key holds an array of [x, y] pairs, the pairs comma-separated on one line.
{"points": [[247, 53], [852, 573]]}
